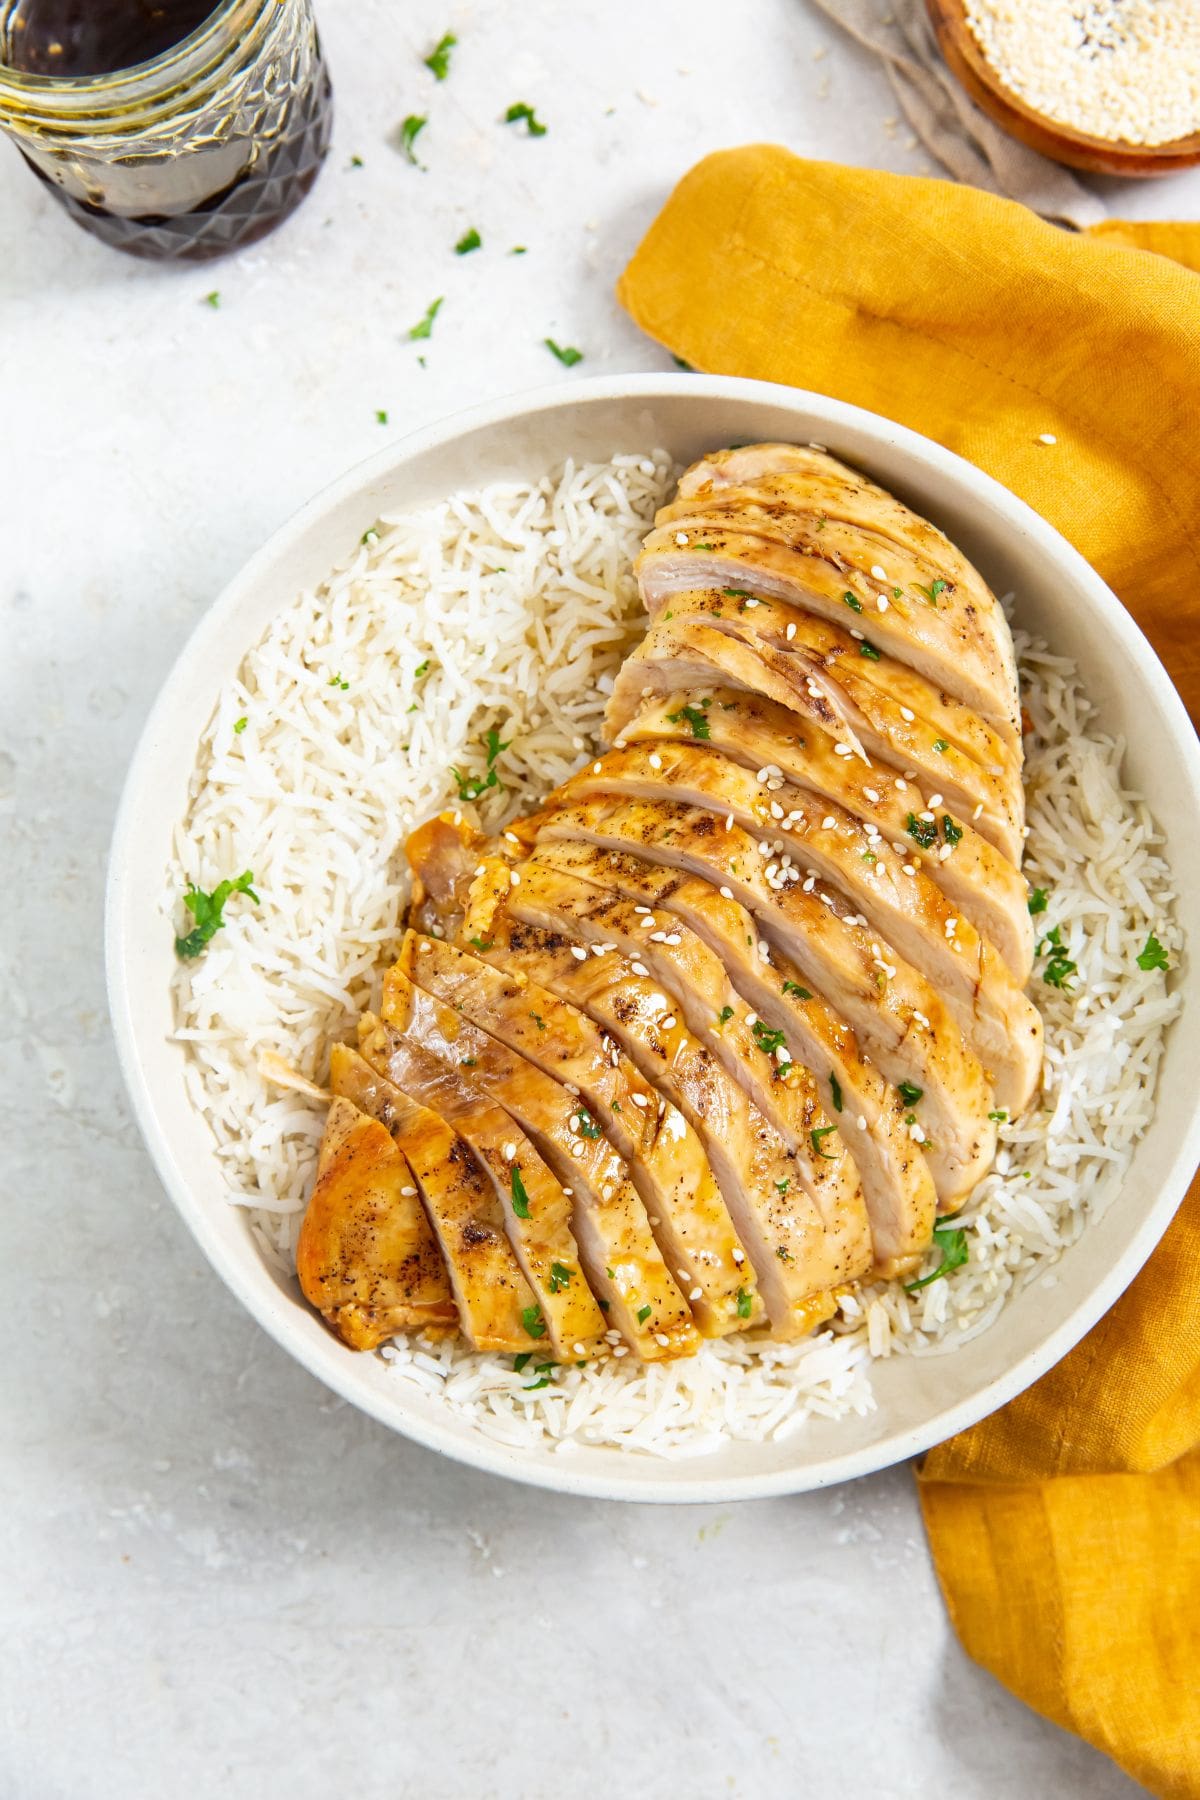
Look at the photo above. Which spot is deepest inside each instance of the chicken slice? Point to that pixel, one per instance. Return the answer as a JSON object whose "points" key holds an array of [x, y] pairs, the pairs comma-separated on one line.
{"points": [[897, 1187], [540, 1233], [981, 883], [687, 654], [491, 1292], [816, 837], [618, 1255], [367, 1258], [847, 663], [898, 1018], [787, 528], [666, 1160]]}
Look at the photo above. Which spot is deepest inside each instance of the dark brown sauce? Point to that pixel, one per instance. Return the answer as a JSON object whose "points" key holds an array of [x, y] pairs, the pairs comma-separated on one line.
{"points": [[77, 38]]}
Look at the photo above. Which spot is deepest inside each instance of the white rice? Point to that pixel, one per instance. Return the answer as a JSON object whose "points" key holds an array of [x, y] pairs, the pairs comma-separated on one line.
{"points": [[520, 600]]}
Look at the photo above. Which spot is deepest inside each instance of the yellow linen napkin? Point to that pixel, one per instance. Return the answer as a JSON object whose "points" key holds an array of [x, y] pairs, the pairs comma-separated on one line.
{"points": [[1066, 1528]]}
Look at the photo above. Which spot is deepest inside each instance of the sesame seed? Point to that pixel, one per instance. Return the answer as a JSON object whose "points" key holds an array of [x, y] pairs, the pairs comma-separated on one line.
{"points": [[580, 1350], [842, 750], [408, 1192], [596, 768], [667, 1024], [696, 1294], [907, 715], [791, 632], [870, 794], [660, 1337], [881, 601], [828, 822], [569, 1192], [739, 1257], [655, 760], [978, 810], [639, 1099], [729, 821], [510, 1150], [1047, 437], [579, 953], [514, 878], [681, 537], [726, 893], [639, 968], [935, 799]]}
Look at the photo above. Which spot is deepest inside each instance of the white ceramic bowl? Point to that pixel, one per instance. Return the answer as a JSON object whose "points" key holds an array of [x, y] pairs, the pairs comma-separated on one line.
{"points": [[920, 1400]]}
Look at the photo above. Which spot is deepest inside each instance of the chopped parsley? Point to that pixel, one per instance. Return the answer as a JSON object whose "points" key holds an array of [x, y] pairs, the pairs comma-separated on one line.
{"points": [[815, 1138], [1038, 901], [381, 417], [701, 546], [422, 668], [643, 1314], [923, 831], [213, 299], [208, 910], [518, 250], [369, 536], [738, 593], [519, 113], [520, 1199], [930, 593], [560, 1277], [909, 1092], [767, 1040], [781, 1187], [1000, 1116], [953, 1246], [680, 364], [410, 130], [531, 1387], [793, 987], [940, 744], [532, 1320], [588, 1127], [520, 1361], [869, 651], [468, 1062], [1153, 956], [951, 831], [470, 240], [337, 682], [438, 59], [695, 719], [424, 327], [1059, 968], [835, 1088], [240, 725], [356, 162], [724, 1016], [567, 354], [538, 1021], [471, 787], [852, 601], [482, 943], [744, 1303]]}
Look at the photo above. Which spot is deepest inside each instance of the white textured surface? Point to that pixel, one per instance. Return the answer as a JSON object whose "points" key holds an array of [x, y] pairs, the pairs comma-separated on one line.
{"points": [[212, 1576]]}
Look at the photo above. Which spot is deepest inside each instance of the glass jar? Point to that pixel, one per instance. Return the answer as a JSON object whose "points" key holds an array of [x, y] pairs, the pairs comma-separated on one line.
{"points": [[204, 147]]}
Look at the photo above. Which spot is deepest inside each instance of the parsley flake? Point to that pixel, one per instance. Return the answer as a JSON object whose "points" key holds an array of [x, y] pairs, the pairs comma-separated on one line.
{"points": [[519, 113], [213, 299], [951, 831], [588, 1127], [567, 354], [520, 1199], [560, 1277], [1153, 956], [438, 59], [410, 130], [815, 1138], [532, 1320], [767, 1040], [1000, 1116], [643, 1314], [208, 910], [520, 1360], [724, 1016], [1059, 968], [482, 944], [744, 1303], [923, 831], [869, 651], [953, 1246], [835, 1088], [695, 719], [852, 601], [424, 327], [240, 725], [1038, 901], [538, 1021], [793, 987], [470, 240], [930, 593], [909, 1092]]}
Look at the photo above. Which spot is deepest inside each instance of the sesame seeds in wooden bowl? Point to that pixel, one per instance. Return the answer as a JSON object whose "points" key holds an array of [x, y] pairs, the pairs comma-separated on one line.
{"points": [[1111, 86]]}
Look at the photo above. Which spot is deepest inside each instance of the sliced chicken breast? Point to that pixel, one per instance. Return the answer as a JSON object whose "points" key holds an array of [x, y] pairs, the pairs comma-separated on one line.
{"points": [[974, 876], [815, 837], [619, 1258], [897, 1016], [491, 1293], [798, 1262], [897, 1186], [566, 1317], [666, 1160], [367, 1258], [686, 654]]}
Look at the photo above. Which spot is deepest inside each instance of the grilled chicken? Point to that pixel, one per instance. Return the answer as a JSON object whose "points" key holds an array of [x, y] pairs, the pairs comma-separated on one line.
{"points": [[707, 985], [757, 733], [692, 655], [812, 534], [717, 1031], [367, 1259], [895, 1013], [666, 1159], [617, 1250], [539, 1225], [491, 1292], [897, 898]]}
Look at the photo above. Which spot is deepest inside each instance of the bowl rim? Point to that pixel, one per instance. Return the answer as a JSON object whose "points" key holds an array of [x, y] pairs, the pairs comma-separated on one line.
{"points": [[273, 1310]]}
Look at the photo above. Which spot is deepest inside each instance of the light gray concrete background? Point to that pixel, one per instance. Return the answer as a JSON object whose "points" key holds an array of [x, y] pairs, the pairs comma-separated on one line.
{"points": [[215, 1578]]}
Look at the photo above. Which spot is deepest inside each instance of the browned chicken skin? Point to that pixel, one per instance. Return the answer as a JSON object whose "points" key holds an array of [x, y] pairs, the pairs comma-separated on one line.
{"points": [[716, 1032]]}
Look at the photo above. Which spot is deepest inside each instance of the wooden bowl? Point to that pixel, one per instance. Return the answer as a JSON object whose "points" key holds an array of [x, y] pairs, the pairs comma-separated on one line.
{"points": [[1102, 156]]}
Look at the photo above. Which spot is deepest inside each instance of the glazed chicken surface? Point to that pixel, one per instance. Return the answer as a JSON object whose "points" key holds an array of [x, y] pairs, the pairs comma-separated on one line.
{"points": [[722, 1029]]}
